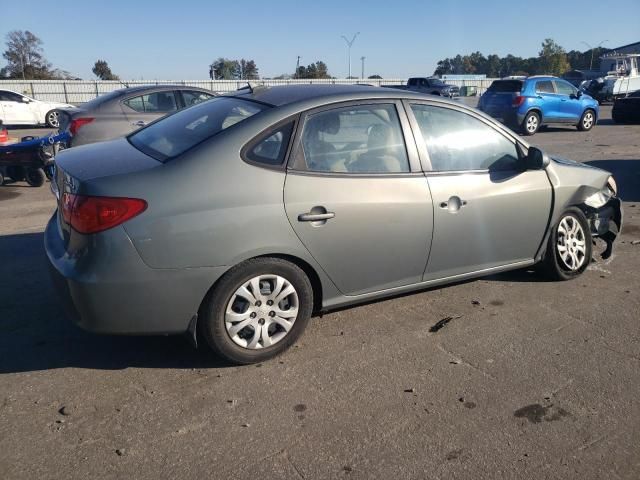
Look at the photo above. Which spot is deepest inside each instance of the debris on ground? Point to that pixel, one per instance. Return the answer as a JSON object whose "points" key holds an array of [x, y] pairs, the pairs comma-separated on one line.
{"points": [[409, 390], [475, 302], [635, 242], [64, 410], [441, 323]]}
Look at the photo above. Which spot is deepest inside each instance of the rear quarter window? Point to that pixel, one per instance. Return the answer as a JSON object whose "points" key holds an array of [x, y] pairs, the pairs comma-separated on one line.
{"points": [[177, 133]]}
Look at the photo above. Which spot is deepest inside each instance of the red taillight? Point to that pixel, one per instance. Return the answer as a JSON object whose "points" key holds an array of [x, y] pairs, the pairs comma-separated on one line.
{"points": [[78, 123], [518, 100], [88, 214], [4, 135]]}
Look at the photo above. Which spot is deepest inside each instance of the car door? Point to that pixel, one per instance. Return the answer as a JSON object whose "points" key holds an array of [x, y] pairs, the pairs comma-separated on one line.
{"points": [[143, 109], [570, 104], [356, 197], [15, 110], [488, 212], [548, 101]]}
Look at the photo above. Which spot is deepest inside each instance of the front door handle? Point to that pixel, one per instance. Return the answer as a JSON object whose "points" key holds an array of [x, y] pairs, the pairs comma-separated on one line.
{"points": [[315, 217], [453, 204], [139, 123]]}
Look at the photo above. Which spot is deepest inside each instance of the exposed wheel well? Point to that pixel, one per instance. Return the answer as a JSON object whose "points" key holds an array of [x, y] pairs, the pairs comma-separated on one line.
{"points": [[537, 111]]}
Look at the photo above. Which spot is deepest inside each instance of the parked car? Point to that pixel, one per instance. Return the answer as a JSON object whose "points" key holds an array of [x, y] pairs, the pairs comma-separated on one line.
{"points": [[528, 104], [19, 109], [627, 109], [242, 216], [120, 112], [430, 85]]}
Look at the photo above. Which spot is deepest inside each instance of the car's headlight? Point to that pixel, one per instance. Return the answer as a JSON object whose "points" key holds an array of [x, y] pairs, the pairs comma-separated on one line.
{"points": [[600, 198]]}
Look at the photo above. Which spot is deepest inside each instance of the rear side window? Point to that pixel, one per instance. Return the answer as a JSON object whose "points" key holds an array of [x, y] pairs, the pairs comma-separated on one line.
{"points": [[506, 86], [183, 130], [271, 148], [157, 102], [192, 97], [544, 86]]}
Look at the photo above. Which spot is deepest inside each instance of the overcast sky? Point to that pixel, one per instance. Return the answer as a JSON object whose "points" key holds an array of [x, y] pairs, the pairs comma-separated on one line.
{"points": [[178, 40]]}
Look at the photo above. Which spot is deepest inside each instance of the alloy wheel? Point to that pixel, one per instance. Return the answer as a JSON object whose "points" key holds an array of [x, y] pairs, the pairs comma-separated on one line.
{"points": [[571, 243], [52, 119], [532, 124], [587, 121], [261, 312]]}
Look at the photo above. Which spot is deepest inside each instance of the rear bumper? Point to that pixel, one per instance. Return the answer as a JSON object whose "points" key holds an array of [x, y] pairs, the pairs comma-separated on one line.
{"points": [[106, 288]]}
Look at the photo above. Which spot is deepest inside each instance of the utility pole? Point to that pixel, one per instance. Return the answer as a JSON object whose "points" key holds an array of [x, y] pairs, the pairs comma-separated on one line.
{"points": [[349, 45], [297, 66], [362, 72], [592, 48]]}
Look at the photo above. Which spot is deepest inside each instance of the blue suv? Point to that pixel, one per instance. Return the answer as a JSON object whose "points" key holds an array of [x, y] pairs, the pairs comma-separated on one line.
{"points": [[531, 102]]}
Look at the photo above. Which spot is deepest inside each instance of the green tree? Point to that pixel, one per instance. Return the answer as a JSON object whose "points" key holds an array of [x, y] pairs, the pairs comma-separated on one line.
{"points": [[377, 77], [552, 59], [25, 58], [226, 69], [103, 72], [314, 70], [248, 70]]}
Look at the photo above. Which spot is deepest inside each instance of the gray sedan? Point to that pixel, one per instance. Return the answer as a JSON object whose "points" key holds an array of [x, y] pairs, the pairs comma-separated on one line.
{"points": [[120, 112], [243, 216]]}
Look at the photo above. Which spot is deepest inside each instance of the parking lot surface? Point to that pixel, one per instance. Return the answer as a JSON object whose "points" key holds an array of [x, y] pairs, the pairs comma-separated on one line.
{"points": [[526, 379]]}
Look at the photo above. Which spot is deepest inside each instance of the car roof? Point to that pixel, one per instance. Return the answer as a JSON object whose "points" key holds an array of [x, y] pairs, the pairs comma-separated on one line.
{"points": [[145, 88], [322, 94]]}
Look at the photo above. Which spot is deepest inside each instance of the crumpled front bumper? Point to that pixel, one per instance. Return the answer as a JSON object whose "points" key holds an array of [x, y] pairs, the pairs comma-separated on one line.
{"points": [[606, 223]]}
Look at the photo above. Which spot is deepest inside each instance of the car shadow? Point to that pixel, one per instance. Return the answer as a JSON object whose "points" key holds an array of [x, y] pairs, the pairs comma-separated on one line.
{"points": [[626, 174], [36, 334]]}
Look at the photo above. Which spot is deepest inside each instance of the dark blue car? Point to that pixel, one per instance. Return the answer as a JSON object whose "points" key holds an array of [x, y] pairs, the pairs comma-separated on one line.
{"points": [[529, 103]]}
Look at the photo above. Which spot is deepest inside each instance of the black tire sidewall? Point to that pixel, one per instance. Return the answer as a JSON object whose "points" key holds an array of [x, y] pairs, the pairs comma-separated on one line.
{"points": [[554, 266], [211, 322], [35, 177]]}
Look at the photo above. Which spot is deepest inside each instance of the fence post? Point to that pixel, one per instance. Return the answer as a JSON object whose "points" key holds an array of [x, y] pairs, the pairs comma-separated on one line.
{"points": [[66, 97], [32, 92], [97, 94]]}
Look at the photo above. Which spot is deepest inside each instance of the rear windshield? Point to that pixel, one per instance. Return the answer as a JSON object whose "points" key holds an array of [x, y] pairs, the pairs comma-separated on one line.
{"points": [[105, 97], [506, 86], [177, 133]]}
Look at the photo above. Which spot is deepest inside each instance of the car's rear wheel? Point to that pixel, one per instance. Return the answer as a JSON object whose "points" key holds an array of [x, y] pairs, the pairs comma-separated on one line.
{"points": [[257, 310], [531, 123], [52, 119], [35, 177], [569, 248], [587, 121]]}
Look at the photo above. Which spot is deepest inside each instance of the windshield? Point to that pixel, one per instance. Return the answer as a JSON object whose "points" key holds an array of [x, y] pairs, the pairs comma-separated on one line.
{"points": [[177, 133], [436, 81], [506, 86]]}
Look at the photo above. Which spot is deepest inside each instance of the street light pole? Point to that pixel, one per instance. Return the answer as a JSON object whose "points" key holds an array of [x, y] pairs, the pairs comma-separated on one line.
{"points": [[362, 73], [592, 48], [349, 44], [297, 66]]}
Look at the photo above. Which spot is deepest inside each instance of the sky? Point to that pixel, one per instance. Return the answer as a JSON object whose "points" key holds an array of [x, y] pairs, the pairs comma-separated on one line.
{"points": [[168, 40]]}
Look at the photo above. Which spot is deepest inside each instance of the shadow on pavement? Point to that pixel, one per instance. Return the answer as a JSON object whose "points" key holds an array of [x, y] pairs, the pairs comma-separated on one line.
{"points": [[35, 333], [626, 174]]}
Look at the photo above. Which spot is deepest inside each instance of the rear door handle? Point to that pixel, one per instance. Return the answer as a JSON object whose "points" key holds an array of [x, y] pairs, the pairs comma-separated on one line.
{"points": [[315, 217], [139, 123]]}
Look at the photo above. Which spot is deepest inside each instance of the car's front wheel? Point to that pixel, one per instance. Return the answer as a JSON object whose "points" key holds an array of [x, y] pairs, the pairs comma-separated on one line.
{"points": [[257, 310], [587, 121], [569, 248], [531, 123], [52, 119]]}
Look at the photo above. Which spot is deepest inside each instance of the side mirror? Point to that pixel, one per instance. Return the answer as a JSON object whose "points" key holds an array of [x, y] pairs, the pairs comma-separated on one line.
{"points": [[536, 159], [25, 100]]}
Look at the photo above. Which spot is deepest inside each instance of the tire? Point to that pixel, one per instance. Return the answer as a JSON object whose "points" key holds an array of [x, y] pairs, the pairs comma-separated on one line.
{"points": [[1, 179], [569, 262], [587, 121], [51, 119], [233, 302], [35, 177], [531, 123]]}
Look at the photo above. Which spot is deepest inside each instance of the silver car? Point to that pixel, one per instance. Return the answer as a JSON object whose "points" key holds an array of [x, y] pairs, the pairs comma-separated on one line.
{"points": [[243, 216], [120, 112]]}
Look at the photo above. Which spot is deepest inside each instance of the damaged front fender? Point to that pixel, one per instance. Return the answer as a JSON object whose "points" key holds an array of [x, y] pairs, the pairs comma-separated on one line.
{"points": [[605, 222]]}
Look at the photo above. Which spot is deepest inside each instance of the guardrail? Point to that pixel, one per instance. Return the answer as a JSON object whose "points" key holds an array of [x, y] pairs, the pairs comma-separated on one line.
{"points": [[80, 91]]}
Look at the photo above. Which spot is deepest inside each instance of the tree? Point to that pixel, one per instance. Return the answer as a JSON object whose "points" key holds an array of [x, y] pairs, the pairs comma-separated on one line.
{"points": [[314, 70], [226, 69], [25, 58], [375, 77], [552, 59], [103, 72], [248, 70]]}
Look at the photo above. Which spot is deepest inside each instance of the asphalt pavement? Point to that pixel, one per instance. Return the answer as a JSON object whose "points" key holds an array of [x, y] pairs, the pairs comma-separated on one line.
{"points": [[524, 379]]}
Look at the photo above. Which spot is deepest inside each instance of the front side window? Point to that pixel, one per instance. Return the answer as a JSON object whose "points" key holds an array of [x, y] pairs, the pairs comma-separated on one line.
{"points": [[10, 97], [181, 131], [457, 141], [358, 139], [157, 102], [564, 88], [544, 86]]}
